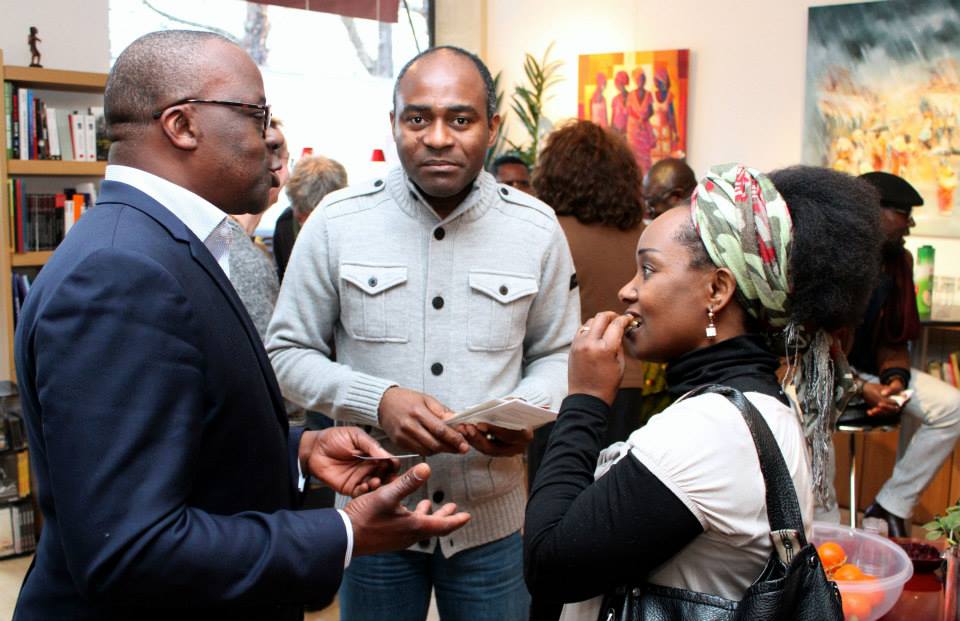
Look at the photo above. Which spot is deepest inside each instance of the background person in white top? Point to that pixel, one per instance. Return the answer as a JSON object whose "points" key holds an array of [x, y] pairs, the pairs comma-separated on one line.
{"points": [[682, 502]]}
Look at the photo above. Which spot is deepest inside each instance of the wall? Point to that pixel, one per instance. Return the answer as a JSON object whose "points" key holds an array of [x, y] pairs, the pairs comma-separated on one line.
{"points": [[747, 67], [74, 34], [747, 63]]}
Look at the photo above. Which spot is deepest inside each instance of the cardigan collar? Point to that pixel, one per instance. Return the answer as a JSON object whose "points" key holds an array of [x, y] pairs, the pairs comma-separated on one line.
{"points": [[412, 202]]}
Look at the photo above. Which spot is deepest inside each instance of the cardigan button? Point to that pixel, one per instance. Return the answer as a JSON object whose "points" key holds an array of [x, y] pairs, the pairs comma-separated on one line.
{"points": [[439, 233], [437, 302], [436, 368]]}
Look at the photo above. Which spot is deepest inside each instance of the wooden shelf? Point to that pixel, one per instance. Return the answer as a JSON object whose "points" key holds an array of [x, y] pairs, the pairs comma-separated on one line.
{"points": [[78, 82], [55, 79], [56, 168], [30, 259]]}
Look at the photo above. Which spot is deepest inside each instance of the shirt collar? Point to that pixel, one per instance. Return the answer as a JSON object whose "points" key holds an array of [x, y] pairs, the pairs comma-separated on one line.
{"points": [[198, 214]]}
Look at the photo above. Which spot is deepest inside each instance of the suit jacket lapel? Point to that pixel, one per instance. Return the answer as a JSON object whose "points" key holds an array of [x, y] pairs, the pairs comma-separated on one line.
{"points": [[114, 192]]}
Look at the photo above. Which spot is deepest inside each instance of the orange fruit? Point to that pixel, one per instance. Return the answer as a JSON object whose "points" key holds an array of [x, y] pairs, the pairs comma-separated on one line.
{"points": [[856, 606], [875, 596], [831, 555], [848, 572]]}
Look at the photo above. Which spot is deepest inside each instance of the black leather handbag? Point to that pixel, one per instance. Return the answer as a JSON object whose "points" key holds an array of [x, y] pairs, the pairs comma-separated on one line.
{"points": [[792, 586]]}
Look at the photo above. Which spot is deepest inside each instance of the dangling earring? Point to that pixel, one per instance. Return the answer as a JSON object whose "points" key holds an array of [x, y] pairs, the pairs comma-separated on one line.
{"points": [[711, 327]]}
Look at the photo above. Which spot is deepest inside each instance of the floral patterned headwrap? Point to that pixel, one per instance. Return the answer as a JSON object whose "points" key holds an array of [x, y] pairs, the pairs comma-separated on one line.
{"points": [[746, 227]]}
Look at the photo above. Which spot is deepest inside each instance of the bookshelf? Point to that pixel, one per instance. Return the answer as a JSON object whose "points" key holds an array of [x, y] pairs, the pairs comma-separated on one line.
{"points": [[46, 80]]}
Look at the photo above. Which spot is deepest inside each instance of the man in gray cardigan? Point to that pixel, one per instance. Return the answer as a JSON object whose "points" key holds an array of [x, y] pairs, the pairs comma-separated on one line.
{"points": [[438, 289]]}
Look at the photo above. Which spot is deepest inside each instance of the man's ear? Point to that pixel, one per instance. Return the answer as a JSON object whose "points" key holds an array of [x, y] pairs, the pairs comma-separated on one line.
{"points": [[494, 126], [723, 286], [179, 127]]}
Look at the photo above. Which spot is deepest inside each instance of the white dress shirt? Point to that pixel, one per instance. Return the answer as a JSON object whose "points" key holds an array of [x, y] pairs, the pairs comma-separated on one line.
{"points": [[203, 219], [209, 224]]}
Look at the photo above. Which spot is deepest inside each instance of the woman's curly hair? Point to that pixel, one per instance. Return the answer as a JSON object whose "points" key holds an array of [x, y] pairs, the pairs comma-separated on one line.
{"points": [[589, 172], [835, 262]]}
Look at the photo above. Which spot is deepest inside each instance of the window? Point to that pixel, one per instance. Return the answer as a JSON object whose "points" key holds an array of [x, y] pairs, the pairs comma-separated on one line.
{"points": [[328, 78]]}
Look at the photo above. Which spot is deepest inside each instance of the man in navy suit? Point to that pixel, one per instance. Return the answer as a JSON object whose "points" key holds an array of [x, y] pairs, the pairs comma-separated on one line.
{"points": [[165, 469]]}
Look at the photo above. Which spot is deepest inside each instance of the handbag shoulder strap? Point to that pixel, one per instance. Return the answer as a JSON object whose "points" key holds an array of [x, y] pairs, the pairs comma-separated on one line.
{"points": [[783, 507]]}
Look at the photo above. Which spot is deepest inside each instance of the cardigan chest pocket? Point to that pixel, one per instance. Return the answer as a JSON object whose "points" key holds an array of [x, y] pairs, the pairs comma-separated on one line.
{"points": [[499, 303], [374, 301]]}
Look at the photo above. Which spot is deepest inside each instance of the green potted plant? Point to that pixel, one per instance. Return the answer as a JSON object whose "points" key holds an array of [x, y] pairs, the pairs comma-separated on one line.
{"points": [[947, 527], [528, 101]]}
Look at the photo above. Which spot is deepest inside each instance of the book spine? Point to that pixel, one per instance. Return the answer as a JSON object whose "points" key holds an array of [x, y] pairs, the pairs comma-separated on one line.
{"points": [[63, 131], [91, 136], [8, 115], [76, 137], [18, 189], [12, 213], [31, 125], [15, 112], [43, 148], [53, 134], [23, 473], [24, 133], [17, 529]]}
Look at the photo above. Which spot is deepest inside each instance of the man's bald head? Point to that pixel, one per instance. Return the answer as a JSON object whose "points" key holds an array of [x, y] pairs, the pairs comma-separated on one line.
{"points": [[156, 70], [668, 183]]}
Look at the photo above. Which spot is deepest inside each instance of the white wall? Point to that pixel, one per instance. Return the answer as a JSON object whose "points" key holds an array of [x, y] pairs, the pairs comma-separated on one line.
{"points": [[747, 63], [74, 33], [747, 67]]}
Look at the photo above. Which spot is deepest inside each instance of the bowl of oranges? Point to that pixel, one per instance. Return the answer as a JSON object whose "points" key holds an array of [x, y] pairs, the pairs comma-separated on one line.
{"points": [[869, 570]]}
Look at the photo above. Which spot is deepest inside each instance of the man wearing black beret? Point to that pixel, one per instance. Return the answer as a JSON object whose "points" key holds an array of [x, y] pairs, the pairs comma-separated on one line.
{"points": [[881, 357]]}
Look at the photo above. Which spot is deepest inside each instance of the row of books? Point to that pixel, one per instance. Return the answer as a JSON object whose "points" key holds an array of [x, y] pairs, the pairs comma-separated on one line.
{"points": [[36, 131], [13, 435], [18, 530], [21, 286], [947, 370], [40, 221], [14, 475]]}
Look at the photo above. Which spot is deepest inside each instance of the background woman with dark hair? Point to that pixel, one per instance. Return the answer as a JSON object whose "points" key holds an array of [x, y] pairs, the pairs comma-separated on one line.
{"points": [[721, 290], [591, 179]]}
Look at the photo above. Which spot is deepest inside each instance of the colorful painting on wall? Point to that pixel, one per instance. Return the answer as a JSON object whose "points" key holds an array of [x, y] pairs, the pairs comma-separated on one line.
{"points": [[883, 93], [642, 95]]}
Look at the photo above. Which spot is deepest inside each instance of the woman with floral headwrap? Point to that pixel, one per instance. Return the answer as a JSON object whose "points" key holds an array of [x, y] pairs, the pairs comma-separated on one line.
{"points": [[722, 290]]}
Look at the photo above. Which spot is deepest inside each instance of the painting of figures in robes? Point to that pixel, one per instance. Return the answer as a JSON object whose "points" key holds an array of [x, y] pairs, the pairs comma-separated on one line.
{"points": [[641, 95], [883, 93]]}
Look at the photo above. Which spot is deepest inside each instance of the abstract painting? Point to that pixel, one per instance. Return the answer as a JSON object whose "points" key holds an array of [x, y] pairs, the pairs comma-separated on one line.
{"points": [[641, 95], [883, 93]]}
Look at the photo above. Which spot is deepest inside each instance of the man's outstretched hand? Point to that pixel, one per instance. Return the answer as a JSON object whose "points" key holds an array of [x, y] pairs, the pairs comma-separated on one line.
{"points": [[331, 456], [382, 524]]}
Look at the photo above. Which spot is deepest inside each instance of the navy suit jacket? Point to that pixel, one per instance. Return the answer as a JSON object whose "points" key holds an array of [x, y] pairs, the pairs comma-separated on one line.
{"points": [[165, 469]]}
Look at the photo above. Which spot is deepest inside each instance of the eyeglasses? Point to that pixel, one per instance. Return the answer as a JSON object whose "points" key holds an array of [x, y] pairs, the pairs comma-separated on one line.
{"points": [[264, 109]]}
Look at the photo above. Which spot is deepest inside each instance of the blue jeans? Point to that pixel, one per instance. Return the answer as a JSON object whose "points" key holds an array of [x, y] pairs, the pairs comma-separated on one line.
{"points": [[480, 584]]}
